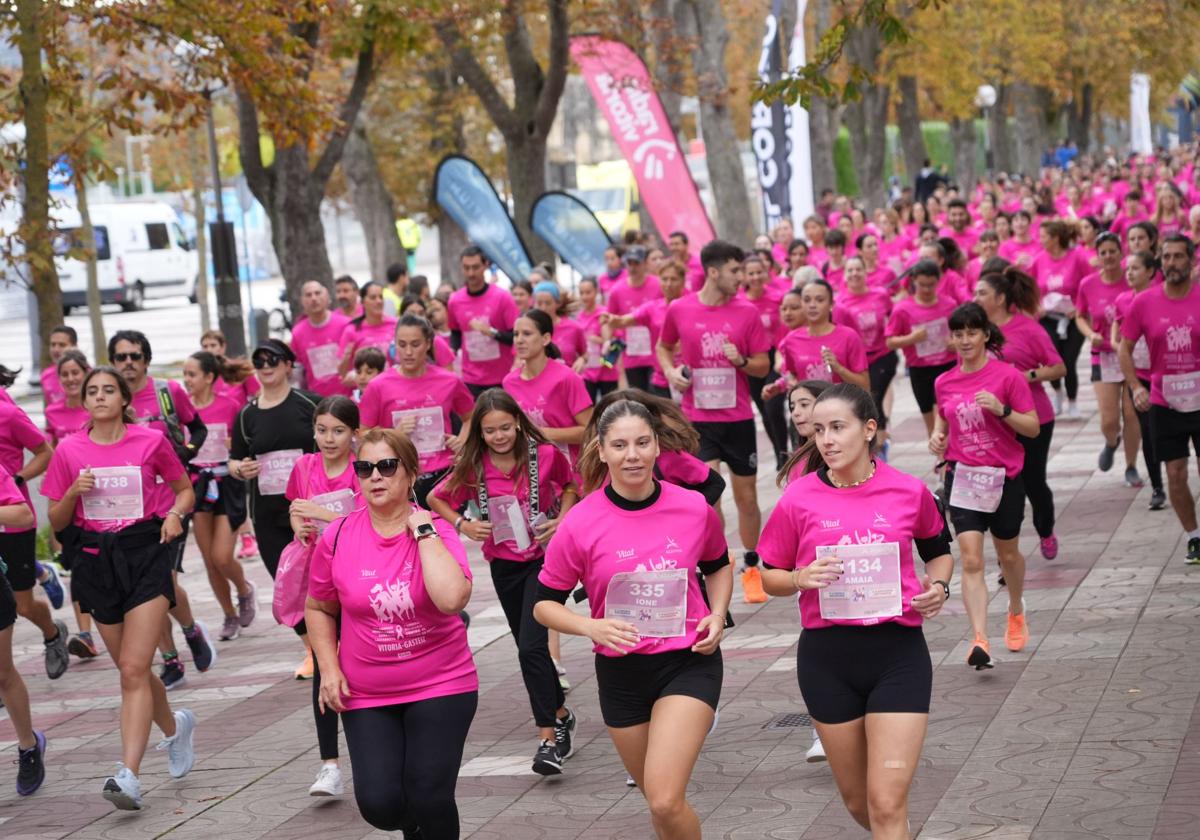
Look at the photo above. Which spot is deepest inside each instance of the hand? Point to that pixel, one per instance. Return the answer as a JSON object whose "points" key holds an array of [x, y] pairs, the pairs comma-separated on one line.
{"points": [[248, 468], [929, 602], [481, 325], [477, 531], [306, 532], [709, 632], [1141, 399], [937, 443], [987, 401], [407, 423], [828, 356], [307, 508], [771, 389], [417, 517], [678, 380], [172, 527], [617, 636], [733, 354], [350, 379], [579, 364], [819, 573], [83, 483], [1096, 338], [919, 334], [606, 319], [455, 443], [333, 688], [542, 533]]}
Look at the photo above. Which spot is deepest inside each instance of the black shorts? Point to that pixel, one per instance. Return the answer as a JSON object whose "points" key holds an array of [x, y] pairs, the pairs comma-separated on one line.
{"points": [[848, 672], [109, 592], [230, 501], [1172, 431], [177, 546], [639, 377], [922, 379], [735, 443], [881, 372], [629, 686], [1004, 522], [425, 483], [19, 552], [8, 605]]}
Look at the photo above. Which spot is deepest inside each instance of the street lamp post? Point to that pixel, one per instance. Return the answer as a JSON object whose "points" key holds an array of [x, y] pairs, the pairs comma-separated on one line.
{"points": [[224, 256], [985, 100]]}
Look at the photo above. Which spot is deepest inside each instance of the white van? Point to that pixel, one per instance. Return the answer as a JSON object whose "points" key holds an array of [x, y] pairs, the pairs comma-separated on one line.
{"points": [[72, 273], [152, 255]]}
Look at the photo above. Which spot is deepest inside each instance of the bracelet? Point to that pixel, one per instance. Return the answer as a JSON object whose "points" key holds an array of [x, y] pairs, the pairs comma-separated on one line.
{"points": [[458, 525], [799, 588], [175, 513]]}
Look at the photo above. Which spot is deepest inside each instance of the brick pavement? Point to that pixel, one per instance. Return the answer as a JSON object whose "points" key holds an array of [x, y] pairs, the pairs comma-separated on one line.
{"points": [[1092, 732]]}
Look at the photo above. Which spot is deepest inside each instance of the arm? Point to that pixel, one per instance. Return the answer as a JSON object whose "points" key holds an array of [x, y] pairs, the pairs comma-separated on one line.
{"points": [[897, 342], [185, 499], [666, 361], [570, 434], [447, 586], [321, 618], [1141, 397], [16, 516], [197, 434], [1085, 327], [618, 322], [38, 463], [1046, 373], [62, 511], [862, 379], [615, 635]]}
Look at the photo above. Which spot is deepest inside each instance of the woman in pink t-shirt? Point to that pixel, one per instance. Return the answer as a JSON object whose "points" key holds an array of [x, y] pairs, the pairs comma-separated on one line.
{"points": [[568, 334], [1021, 249], [442, 354], [821, 349], [865, 310], [983, 404], [107, 503], [237, 381], [516, 487], [841, 538], [371, 329], [386, 584], [68, 415], [639, 548], [652, 314], [1058, 271], [600, 378], [802, 397]]}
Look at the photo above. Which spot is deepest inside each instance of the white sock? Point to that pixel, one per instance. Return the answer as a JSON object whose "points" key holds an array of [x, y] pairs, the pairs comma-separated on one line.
{"points": [[1193, 534]]}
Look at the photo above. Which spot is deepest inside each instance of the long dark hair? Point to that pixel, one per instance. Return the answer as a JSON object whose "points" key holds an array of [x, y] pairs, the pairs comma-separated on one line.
{"points": [[8, 376], [861, 403], [468, 468], [1015, 286], [545, 326], [970, 316], [127, 416], [362, 296], [421, 323], [807, 449], [233, 371], [592, 470], [343, 408], [674, 431]]}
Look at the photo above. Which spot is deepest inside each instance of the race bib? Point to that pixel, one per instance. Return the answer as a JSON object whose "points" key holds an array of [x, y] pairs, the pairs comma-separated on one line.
{"points": [[656, 602], [340, 502], [1182, 391], [937, 332], [508, 522], [977, 488], [1141, 354], [714, 387], [323, 361], [481, 348], [216, 446], [429, 434], [1056, 302], [274, 469], [637, 341], [116, 496], [869, 587], [1110, 368]]}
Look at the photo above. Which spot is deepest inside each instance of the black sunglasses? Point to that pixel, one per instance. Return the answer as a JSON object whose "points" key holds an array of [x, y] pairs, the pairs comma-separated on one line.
{"points": [[387, 467], [132, 357], [266, 360]]}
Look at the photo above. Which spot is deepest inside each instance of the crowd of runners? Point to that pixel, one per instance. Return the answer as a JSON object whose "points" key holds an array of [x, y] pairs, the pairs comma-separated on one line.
{"points": [[577, 437]]}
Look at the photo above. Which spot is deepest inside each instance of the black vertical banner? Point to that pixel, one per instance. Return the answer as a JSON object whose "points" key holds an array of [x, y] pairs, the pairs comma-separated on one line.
{"points": [[768, 128]]}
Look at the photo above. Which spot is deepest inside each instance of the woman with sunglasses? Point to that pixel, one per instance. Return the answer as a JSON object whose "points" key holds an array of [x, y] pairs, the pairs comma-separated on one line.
{"points": [[273, 431], [118, 495], [522, 486], [421, 400], [371, 329], [386, 584]]}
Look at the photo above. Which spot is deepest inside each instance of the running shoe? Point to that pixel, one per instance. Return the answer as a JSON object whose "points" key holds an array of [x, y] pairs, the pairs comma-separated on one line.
{"points": [[1132, 479], [1158, 499], [564, 732], [1049, 546], [980, 656], [329, 782], [51, 586], [204, 654], [172, 675], [1106, 455], [181, 752], [752, 588], [465, 618], [305, 671], [563, 682], [1058, 400], [1193, 554], [716, 720], [1016, 635], [248, 606], [630, 781], [547, 761], [31, 767], [231, 628], [815, 753], [1073, 410], [248, 548], [124, 790], [57, 658], [81, 645]]}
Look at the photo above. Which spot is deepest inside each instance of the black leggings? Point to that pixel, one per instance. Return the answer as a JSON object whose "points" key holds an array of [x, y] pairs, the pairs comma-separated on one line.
{"points": [[881, 373], [326, 722], [1153, 465], [405, 760], [1037, 490], [272, 540], [516, 587], [639, 377], [1068, 348], [596, 390], [773, 411]]}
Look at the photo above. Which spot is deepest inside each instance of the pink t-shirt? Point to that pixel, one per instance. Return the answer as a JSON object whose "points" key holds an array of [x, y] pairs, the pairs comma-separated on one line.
{"points": [[443, 353], [606, 282], [1172, 331], [52, 389], [10, 494], [570, 340], [695, 273], [1027, 345], [18, 434], [554, 474], [551, 399], [240, 393], [681, 468], [651, 315], [396, 646], [341, 493], [801, 353], [485, 360], [965, 239], [882, 278], [1020, 253], [434, 397], [890, 507], [867, 315], [624, 299], [144, 453], [1097, 301], [356, 337], [976, 437], [62, 421], [598, 540], [219, 417], [910, 313], [767, 305], [1062, 275], [701, 331], [317, 348], [145, 405], [594, 369], [1141, 350]]}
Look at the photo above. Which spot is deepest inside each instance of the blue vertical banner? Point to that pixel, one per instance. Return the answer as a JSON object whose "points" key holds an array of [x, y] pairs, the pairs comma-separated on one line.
{"points": [[569, 226], [463, 190]]}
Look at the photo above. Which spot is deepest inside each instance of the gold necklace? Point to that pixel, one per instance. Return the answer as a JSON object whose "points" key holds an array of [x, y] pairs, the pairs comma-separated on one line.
{"points": [[862, 480]]}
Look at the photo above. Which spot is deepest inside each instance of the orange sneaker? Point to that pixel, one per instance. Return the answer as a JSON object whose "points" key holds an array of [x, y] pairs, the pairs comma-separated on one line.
{"points": [[752, 588], [1017, 633], [980, 656], [305, 671]]}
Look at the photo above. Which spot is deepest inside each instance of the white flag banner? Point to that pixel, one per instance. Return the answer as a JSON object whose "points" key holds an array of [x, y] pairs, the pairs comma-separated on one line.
{"points": [[1140, 140], [800, 185]]}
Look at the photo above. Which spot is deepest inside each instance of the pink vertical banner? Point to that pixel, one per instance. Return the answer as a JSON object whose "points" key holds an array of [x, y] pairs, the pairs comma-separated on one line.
{"points": [[622, 87]]}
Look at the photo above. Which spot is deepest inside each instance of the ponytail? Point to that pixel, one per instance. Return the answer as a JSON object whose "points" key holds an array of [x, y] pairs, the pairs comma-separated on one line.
{"points": [[1018, 289]]}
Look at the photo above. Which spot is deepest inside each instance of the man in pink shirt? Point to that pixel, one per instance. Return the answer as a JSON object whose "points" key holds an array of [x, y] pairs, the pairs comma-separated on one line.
{"points": [[481, 318], [677, 243], [62, 339], [345, 292], [637, 288], [959, 227], [315, 341]]}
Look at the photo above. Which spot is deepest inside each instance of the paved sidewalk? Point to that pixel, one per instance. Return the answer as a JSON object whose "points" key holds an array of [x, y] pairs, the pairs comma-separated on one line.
{"points": [[1092, 732]]}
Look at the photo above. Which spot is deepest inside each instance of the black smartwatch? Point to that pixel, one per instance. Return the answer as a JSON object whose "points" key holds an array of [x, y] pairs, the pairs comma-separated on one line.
{"points": [[1007, 411], [425, 532], [19, 480], [945, 587]]}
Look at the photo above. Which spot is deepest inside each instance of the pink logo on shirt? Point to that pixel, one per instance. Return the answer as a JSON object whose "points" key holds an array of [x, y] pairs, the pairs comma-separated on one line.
{"points": [[970, 416], [712, 344], [392, 603], [1179, 339]]}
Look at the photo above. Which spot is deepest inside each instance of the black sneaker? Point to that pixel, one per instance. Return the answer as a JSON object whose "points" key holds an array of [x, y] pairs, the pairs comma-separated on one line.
{"points": [[1193, 557], [1158, 499], [1106, 456], [31, 770], [57, 658], [547, 761], [201, 646], [564, 730], [172, 675]]}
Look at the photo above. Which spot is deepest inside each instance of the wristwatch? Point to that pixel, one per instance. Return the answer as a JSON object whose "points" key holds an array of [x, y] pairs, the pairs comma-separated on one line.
{"points": [[1007, 411], [945, 587], [19, 480], [1031, 374], [425, 532]]}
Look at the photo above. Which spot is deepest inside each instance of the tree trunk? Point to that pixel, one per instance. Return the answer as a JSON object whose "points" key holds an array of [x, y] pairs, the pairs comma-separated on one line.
{"points": [[867, 118], [824, 120], [526, 166], [1002, 153], [451, 241], [1079, 117], [1030, 129], [962, 134], [667, 21], [908, 117], [35, 232], [372, 203], [87, 238], [196, 163]]}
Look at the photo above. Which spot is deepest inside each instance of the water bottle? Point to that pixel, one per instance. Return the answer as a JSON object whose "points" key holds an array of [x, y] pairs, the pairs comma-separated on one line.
{"points": [[615, 348]]}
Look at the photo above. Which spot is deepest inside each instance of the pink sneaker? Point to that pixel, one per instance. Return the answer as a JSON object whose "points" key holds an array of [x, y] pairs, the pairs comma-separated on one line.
{"points": [[1050, 547], [249, 547]]}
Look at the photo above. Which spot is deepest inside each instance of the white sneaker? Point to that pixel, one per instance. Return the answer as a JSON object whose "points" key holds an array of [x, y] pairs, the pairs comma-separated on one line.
{"points": [[181, 754], [1058, 401], [124, 790], [716, 720], [328, 783], [1073, 411], [816, 753], [630, 781]]}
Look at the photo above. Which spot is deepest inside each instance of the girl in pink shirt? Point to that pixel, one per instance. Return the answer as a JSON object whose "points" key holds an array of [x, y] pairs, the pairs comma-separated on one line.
{"points": [[521, 486], [599, 377], [841, 539], [822, 349], [880, 274], [983, 404], [371, 329], [107, 502], [639, 548], [652, 315], [1058, 271], [68, 415], [1021, 249], [920, 326], [568, 335], [865, 310], [1140, 269], [386, 584], [237, 381]]}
